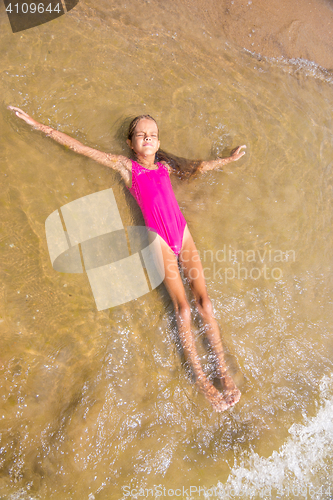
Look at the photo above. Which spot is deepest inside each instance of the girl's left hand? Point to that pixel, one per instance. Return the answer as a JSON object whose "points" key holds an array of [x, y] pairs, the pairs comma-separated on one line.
{"points": [[237, 153]]}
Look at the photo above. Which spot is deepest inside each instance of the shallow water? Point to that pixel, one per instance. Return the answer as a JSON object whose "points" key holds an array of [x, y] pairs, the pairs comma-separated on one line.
{"points": [[98, 404]]}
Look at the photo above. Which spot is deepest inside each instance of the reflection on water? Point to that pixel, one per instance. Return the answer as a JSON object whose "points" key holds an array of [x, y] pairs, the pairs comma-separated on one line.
{"points": [[95, 404]]}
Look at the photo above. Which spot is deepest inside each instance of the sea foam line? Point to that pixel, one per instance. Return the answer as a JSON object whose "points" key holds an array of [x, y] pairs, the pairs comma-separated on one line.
{"points": [[302, 466]]}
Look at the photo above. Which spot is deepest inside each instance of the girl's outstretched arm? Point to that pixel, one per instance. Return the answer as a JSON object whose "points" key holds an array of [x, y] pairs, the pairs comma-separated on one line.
{"points": [[236, 154], [186, 169], [117, 162]]}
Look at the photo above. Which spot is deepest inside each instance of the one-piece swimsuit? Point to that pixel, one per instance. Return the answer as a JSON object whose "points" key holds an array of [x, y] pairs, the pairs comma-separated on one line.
{"points": [[154, 194]]}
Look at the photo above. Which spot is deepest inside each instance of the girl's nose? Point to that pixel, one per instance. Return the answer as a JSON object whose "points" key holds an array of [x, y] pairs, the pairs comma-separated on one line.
{"points": [[147, 139]]}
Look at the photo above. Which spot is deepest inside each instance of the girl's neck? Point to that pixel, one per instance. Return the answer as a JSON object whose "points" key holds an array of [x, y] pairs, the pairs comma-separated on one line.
{"points": [[146, 161]]}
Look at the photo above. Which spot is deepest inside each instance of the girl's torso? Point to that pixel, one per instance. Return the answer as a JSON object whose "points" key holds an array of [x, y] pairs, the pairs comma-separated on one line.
{"points": [[139, 168], [153, 192], [148, 181]]}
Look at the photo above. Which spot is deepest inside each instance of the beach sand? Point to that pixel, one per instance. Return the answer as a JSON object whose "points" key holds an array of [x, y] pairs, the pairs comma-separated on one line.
{"points": [[274, 28]]}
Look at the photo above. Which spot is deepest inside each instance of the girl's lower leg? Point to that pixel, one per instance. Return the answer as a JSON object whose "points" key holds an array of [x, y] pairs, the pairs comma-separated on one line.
{"points": [[193, 270], [175, 287], [217, 400], [213, 334]]}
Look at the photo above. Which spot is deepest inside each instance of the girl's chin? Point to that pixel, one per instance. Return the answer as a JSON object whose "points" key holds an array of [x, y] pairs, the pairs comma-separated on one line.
{"points": [[146, 153]]}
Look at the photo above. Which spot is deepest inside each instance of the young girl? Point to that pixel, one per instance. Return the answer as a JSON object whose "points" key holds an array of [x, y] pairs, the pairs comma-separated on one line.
{"points": [[148, 181]]}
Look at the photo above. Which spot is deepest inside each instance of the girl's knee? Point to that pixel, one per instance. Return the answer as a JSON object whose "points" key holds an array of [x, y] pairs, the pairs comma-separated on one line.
{"points": [[183, 310], [205, 306]]}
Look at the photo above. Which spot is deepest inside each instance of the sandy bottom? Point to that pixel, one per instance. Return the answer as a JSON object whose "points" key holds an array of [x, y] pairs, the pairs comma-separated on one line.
{"points": [[274, 28]]}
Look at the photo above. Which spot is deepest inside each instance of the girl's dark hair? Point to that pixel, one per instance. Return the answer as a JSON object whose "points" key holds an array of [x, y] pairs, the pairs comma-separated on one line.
{"points": [[182, 167]]}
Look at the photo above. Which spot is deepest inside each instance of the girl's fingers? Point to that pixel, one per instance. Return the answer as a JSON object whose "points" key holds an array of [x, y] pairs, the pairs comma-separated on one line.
{"points": [[238, 148], [13, 108], [18, 111], [21, 114]]}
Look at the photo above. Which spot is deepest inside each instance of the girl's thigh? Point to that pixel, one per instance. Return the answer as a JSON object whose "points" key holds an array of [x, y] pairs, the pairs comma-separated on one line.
{"points": [[172, 278], [190, 260]]}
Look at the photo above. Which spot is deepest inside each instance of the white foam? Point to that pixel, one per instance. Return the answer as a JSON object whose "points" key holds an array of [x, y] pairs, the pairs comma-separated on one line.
{"points": [[295, 469], [309, 68]]}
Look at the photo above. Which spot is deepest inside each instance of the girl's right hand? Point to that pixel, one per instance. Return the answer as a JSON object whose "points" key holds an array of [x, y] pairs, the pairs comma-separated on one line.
{"points": [[24, 116]]}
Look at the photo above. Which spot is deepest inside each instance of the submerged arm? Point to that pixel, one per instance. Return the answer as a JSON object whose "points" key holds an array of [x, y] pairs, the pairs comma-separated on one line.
{"points": [[185, 169], [117, 162], [236, 154]]}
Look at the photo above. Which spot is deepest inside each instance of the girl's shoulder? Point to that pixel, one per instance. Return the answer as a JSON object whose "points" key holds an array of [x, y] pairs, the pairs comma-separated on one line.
{"points": [[118, 162], [123, 165], [166, 166], [125, 162]]}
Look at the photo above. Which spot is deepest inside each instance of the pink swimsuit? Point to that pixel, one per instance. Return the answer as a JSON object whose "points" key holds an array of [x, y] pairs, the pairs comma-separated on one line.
{"points": [[153, 191]]}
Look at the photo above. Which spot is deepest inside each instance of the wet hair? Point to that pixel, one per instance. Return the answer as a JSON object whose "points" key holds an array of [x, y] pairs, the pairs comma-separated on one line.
{"points": [[182, 167]]}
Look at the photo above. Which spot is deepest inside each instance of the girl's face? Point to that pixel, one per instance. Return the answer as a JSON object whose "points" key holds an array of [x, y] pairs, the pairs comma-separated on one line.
{"points": [[144, 140]]}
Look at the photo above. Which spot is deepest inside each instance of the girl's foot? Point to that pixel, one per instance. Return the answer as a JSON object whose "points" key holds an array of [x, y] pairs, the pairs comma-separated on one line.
{"points": [[216, 399], [232, 396], [232, 393]]}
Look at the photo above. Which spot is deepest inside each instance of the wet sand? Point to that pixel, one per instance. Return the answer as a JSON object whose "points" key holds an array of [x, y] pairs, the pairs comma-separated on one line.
{"points": [[274, 28]]}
